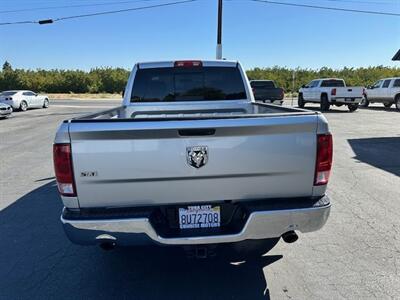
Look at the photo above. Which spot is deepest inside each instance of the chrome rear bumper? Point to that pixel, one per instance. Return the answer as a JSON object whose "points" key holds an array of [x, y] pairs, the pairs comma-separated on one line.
{"points": [[344, 101], [138, 231]]}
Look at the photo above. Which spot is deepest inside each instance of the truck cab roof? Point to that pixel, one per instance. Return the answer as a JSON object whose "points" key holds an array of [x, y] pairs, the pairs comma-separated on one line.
{"points": [[194, 62], [390, 78], [330, 79]]}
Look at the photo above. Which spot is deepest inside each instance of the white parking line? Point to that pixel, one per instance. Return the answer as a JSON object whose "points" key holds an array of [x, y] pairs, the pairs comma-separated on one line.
{"points": [[82, 106]]}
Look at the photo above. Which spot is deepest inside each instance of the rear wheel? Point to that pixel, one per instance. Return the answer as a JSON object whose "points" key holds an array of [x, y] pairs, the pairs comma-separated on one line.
{"points": [[46, 103], [364, 102], [325, 105], [23, 106], [387, 105], [300, 101], [352, 107], [397, 102]]}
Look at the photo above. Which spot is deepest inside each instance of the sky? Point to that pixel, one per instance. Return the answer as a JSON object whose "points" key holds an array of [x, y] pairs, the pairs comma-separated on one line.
{"points": [[257, 34]]}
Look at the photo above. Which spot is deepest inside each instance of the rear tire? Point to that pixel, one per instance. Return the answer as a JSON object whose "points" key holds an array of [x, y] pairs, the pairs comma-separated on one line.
{"points": [[23, 106], [300, 101], [364, 102], [352, 107], [46, 103], [397, 102], [387, 105], [325, 105]]}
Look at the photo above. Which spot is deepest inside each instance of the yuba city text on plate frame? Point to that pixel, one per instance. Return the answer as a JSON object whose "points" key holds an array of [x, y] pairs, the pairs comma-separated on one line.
{"points": [[199, 216]]}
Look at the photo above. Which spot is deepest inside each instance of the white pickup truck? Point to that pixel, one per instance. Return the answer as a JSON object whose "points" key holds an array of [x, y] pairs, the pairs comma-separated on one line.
{"points": [[386, 91], [191, 159], [330, 91]]}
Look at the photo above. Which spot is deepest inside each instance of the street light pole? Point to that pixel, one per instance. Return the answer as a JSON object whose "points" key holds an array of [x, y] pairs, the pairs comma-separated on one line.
{"points": [[219, 31]]}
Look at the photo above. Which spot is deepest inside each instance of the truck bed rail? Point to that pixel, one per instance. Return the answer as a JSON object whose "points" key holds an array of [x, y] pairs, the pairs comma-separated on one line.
{"points": [[139, 113]]}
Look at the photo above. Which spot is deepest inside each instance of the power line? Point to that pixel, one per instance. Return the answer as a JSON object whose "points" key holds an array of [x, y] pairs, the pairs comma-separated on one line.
{"points": [[328, 8], [49, 21], [363, 2], [17, 23], [70, 6], [122, 10]]}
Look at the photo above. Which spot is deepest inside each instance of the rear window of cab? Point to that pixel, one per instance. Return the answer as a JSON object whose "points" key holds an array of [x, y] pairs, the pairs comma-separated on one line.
{"points": [[7, 93], [262, 84], [188, 84], [332, 83]]}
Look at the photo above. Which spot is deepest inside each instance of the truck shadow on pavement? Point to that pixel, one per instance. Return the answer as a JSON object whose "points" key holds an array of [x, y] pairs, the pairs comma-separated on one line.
{"points": [[38, 262], [392, 109], [332, 110], [382, 153]]}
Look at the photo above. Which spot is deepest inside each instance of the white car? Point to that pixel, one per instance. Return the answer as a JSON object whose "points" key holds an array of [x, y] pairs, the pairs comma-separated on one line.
{"points": [[330, 91], [385, 91], [5, 110], [22, 100]]}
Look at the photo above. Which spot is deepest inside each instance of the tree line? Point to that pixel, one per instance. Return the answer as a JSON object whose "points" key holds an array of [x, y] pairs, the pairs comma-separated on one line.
{"points": [[113, 80], [353, 76], [97, 80]]}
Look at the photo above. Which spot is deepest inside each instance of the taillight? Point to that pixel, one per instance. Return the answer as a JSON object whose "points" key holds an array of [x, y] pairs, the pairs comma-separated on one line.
{"points": [[333, 92], [324, 159], [188, 63], [63, 168]]}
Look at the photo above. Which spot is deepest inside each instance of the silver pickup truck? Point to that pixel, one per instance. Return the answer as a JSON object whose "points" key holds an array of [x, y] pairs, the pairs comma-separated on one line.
{"points": [[191, 159]]}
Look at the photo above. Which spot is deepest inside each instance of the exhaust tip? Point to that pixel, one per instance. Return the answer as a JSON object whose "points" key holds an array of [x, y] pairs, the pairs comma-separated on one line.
{"points": [[106, 241], [290, 237], [107, 246]]}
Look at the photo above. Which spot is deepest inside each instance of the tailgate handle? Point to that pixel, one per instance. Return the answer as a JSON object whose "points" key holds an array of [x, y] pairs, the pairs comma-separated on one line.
{"points": [[196, 132], [349, 90]]}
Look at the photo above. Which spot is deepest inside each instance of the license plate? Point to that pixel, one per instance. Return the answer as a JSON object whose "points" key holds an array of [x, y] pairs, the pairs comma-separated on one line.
{"points": [[199, 216], [348, 99]]}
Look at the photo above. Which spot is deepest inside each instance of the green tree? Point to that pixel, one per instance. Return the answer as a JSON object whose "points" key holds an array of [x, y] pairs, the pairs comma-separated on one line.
{"points": [[7, 66]]}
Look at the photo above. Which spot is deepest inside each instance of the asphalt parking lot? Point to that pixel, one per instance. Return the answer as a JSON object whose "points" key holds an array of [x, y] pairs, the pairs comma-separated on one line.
{"points": [[355, 256]]}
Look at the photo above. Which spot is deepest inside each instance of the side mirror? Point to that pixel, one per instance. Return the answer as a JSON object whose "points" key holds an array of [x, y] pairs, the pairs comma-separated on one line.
{"points": [[123, 93]]}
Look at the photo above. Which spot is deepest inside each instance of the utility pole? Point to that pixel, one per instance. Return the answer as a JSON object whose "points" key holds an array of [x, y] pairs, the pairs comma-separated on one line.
{"points": [[219, 31]]}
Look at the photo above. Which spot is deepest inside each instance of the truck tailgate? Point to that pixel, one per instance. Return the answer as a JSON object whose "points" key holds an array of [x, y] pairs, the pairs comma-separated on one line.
{"points": [[145, 163], [349, 92]]}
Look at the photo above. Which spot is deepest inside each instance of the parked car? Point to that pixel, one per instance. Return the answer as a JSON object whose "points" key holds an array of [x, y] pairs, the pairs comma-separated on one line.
{"points": [[385, 91], [191, 159], [267, 91], [23, 100], [330, 91], [5, 110]]}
